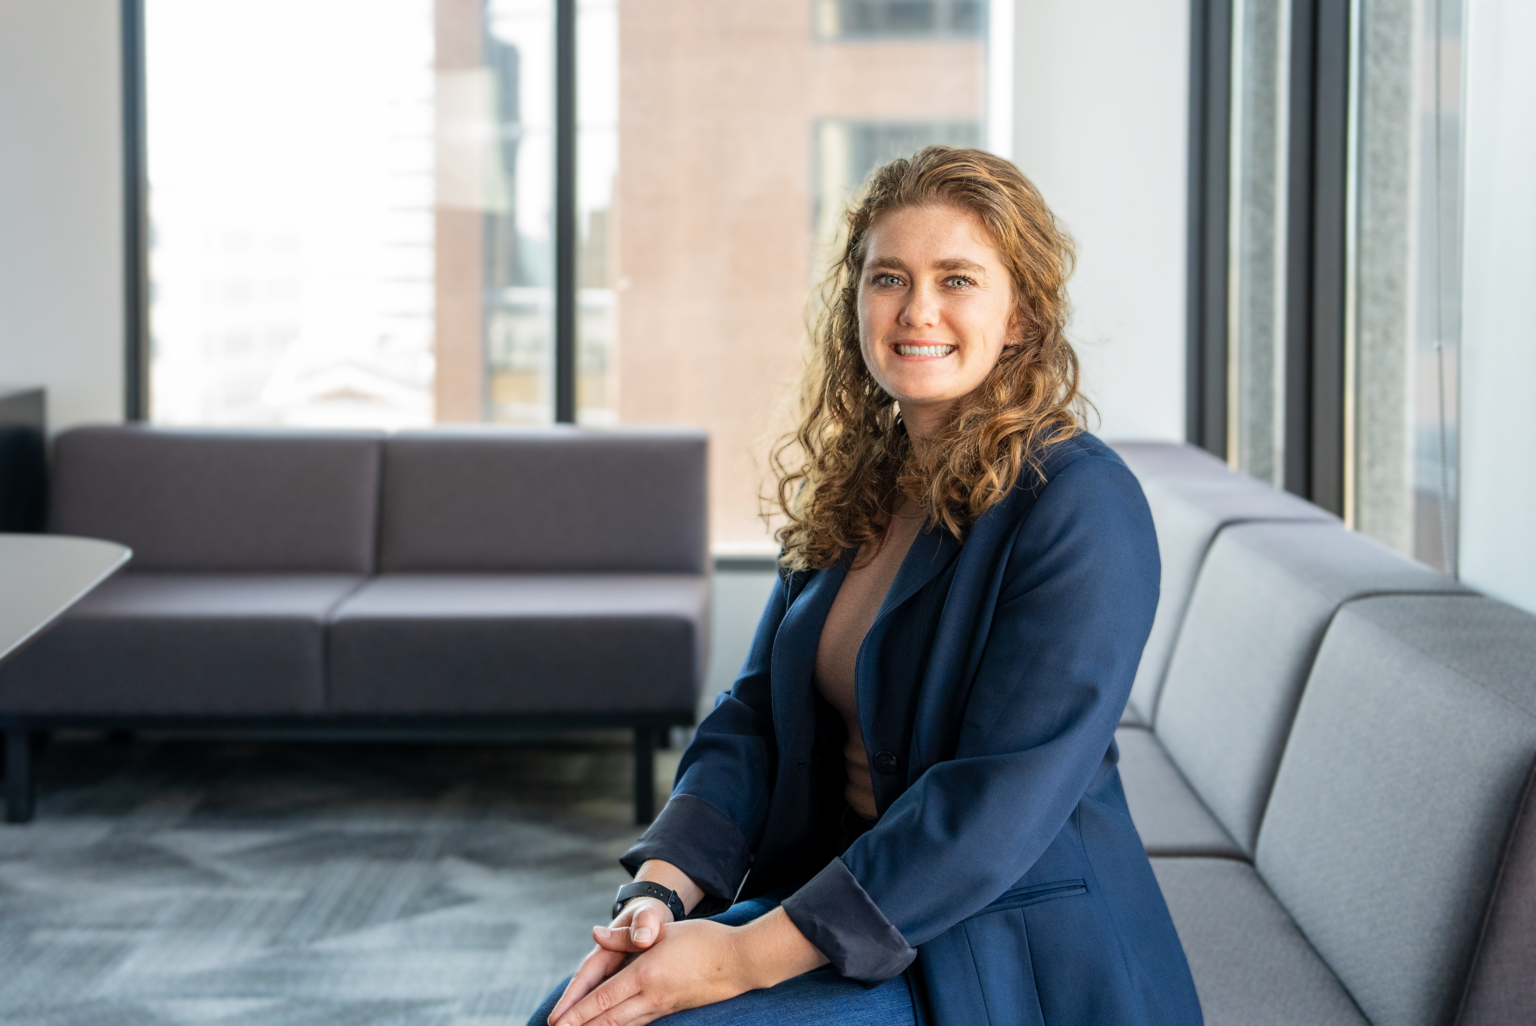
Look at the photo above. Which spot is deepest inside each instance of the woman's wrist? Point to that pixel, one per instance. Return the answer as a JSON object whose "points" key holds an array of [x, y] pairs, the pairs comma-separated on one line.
{"points": [[771, 949], [674, 879]]}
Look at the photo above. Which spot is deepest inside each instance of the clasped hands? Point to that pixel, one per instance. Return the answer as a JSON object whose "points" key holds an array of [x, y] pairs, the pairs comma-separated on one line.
{"points": [[646, 966]]}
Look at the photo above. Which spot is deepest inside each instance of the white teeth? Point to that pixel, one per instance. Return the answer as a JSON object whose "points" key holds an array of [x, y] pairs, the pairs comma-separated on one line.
{"points": [[907, 350]]}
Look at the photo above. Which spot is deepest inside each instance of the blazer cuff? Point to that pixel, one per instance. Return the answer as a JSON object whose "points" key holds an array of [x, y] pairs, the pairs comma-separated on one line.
{"points": [[836, 915], [697, 838]]}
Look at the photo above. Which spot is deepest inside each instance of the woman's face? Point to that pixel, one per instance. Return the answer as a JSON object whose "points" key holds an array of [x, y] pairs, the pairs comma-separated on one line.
{"points": [[935, 309]]}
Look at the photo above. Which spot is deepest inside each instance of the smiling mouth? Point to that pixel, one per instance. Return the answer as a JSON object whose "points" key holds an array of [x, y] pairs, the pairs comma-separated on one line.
{"points": [[906, 349]]}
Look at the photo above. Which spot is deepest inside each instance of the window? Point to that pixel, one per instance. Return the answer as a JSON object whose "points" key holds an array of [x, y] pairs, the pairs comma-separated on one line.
{"points": [[349, 223], [868, 19], [1341, 127], [1257, 249], [354, 224], [1406, 276]]}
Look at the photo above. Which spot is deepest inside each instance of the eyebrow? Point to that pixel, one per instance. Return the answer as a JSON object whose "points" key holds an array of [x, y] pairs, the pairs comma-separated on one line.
{"points": [[952, 264]]}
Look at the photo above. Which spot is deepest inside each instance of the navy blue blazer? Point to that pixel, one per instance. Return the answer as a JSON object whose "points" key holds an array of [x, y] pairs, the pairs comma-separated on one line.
{"points": [[1004, 875]]}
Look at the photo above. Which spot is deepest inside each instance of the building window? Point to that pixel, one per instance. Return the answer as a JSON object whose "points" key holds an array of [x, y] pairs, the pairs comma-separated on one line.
{"points": [[875, 19], [352, 223]]}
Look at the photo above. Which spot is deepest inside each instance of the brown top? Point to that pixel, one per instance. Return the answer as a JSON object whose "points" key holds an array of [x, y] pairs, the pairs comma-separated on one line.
{"points": [[850, 618]]}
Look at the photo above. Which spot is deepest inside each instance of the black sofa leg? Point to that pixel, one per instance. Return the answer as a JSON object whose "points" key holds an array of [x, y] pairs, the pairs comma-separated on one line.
{"points": [[645, 775], [18, 775]]}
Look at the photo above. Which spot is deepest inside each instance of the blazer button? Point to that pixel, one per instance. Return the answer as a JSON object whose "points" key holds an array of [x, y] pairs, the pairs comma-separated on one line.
{"points": [[885, 763]]}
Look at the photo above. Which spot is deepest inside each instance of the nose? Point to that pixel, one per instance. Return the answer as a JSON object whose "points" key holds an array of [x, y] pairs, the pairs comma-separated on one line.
{"points": [[922, 307]]}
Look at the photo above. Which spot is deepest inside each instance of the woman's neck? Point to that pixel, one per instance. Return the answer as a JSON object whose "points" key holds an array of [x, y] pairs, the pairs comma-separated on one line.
{"points": [[924, 422]]}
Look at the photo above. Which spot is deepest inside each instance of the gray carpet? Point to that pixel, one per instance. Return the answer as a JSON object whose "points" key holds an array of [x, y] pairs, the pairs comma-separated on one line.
{"points": [[176, 882]]}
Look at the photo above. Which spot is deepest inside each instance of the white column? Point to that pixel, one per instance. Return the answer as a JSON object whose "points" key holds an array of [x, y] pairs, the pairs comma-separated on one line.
{"points": [[61, 205], [1498, 388], [1100, 125]]}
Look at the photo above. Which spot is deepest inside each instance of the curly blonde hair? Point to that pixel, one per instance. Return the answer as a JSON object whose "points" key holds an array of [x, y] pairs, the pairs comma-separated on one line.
{"points": [[844, 471]]}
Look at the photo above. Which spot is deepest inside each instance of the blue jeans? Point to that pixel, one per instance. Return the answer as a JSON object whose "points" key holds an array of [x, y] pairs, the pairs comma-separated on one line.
{"points": [[815, 998]]}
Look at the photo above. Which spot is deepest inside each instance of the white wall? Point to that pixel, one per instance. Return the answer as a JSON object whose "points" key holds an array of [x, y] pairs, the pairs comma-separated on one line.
{"points": [[61, 207], [1498, 411], [1100, 125]]}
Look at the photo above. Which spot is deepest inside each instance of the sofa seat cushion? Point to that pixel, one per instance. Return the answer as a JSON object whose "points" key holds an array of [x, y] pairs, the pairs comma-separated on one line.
{"points": [[1252, 966], [519, 643], [146, 644], [1169, 816]]}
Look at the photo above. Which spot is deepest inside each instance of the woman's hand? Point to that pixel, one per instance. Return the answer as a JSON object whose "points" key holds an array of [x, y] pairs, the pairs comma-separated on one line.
{"points": [[691, 964], [636, 927]]}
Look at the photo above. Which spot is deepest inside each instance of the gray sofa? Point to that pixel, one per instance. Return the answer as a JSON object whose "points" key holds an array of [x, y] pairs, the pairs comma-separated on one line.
{"points": [[1330, 760], [443, 581]]}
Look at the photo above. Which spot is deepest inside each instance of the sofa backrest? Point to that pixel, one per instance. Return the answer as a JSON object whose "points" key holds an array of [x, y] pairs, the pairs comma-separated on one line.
{"points": [[465, 500], [221, 500], [1394, 803], [1265, 595], [1170, 459], [1188, 511]]}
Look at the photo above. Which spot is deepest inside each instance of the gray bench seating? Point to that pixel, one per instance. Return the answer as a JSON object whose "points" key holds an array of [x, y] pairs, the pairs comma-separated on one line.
{"points": [[1336, 780], [413, 583], [1192, 500], [1265, 594]]}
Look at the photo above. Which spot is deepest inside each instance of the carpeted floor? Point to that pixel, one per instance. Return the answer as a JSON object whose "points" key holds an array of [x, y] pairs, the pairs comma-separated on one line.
{"points": [[170, 882]]}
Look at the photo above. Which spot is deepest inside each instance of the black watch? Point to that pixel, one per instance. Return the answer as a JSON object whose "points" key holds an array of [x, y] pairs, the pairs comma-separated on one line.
{"points": [[646, 889]]}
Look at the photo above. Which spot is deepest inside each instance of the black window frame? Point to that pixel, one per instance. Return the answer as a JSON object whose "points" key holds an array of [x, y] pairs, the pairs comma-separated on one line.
{"points": [[1315, 247]]}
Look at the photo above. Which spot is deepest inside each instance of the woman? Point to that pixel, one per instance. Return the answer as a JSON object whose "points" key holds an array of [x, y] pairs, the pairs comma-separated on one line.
{"points": [[911, 793]]}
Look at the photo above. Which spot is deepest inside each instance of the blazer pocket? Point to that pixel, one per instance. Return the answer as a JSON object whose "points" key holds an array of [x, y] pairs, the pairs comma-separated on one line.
{"points": [[1018, 897]]}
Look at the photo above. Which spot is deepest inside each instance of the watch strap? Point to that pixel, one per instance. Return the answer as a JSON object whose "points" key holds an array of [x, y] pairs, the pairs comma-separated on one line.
{"points": [[647, 889]]}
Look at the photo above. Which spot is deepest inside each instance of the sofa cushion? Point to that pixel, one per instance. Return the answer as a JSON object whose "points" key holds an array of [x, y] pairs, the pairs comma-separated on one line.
{"points": [[519, 643], [1169, 816], [1502, 987], [1187, 512], [1170, 459], [1264, 598], [221, 500], [1405, 766], [525, 501], [183, 645], [1252, 966]]}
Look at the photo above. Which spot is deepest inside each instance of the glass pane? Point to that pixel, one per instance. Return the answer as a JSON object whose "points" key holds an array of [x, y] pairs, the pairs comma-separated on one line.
{"points": [[362, 239], [1406, 170], [740, 130], [1256, 298], [597, 164], [516, 272], [853, 19]]}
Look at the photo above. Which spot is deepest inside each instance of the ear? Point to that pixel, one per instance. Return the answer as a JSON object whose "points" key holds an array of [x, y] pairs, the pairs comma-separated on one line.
{"points": [[1014, 335]]}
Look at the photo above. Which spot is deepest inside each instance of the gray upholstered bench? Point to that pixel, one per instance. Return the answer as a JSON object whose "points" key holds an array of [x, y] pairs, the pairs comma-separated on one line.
{"points": [[431, 582], [1335, 776]]}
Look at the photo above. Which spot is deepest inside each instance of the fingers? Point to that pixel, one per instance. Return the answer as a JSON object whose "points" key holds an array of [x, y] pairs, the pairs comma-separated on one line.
{"points": [[635, 1011], [643, 931], [617, 1001], [594, 969], [645, 928], [615, 939]]}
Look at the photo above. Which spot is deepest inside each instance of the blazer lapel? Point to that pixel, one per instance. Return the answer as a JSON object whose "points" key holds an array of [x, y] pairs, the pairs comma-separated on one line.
{"points": [[930, 553], [794, 660], [882, 697]]}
